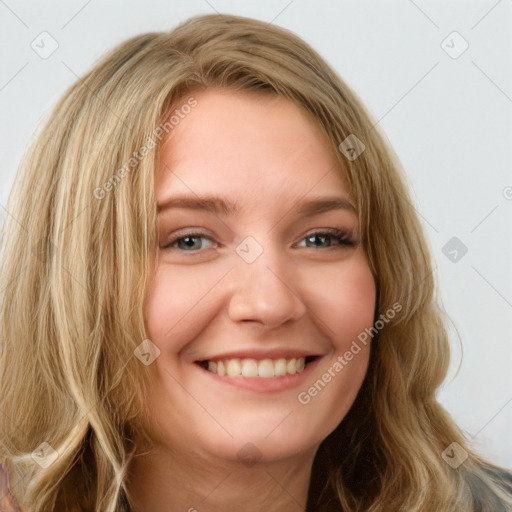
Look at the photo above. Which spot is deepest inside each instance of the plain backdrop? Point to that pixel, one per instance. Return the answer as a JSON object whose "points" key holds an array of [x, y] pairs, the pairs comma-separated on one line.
{"points": [[446, 110]]}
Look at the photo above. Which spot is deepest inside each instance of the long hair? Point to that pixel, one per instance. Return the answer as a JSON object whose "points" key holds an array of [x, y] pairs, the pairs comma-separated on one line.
{"points": [[78, 247]]}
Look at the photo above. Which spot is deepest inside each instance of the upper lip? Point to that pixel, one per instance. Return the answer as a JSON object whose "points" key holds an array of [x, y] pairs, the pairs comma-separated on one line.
{"points": [[258, 353]]}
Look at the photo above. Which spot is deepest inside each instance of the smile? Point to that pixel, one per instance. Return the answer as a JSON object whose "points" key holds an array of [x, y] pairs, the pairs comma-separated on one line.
{"points": [[260, 371], [263, 368]]}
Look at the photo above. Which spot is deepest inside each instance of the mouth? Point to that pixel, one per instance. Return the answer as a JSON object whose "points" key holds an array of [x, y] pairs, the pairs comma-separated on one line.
{"points": [[251, 368]]}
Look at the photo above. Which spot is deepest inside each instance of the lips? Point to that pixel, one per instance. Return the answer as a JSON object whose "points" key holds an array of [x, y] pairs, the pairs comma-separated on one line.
{"points": [[260, 384]]}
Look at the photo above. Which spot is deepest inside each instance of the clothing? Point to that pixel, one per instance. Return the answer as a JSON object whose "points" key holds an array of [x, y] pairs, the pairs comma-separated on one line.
{"points": [[8, 502]]}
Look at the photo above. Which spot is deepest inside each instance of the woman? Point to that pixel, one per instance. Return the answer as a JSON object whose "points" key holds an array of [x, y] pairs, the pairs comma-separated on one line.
{"points": [[228, 299]]}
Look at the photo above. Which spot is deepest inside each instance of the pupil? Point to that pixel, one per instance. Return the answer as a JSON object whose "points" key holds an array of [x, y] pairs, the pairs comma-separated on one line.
{"points": [[322, 239], [189, 241]]}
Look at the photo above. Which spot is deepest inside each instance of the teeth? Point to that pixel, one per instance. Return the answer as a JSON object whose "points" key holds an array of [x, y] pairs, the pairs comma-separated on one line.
{"points": [[250, 368], [233, 368], [265, 368], [280, 367], [291, 366]]}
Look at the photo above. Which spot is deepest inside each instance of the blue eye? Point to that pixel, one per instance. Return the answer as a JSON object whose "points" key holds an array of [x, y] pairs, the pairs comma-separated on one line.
{"points": [[188, 242], [322, 239]]}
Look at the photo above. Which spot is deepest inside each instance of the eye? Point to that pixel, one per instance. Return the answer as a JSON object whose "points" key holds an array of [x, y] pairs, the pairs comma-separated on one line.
{"points": [[194, 241], [322, 239], [189, 242]]}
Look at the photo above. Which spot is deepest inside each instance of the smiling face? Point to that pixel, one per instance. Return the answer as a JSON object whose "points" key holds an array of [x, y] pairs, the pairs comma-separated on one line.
{"points": [[263, 276]]}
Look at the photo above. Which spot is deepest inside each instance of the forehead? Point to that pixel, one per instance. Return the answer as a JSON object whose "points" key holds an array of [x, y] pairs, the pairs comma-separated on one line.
{"points": [[236, 141]]}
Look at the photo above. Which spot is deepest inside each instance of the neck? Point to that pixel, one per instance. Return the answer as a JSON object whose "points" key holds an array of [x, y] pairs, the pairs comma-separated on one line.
{"points": [[160, 481]]}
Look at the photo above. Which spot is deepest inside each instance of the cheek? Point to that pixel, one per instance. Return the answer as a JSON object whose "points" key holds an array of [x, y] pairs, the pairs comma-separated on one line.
{"points": [[178, 304], [343, 304], [347, 310], [345, 301]]}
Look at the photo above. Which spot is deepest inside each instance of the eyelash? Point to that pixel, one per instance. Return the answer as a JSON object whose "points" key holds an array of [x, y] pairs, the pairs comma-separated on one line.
{"points": [[341, 237]]}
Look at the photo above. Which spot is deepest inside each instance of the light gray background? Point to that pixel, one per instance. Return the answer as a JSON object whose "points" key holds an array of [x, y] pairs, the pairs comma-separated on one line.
{"points": [[448, 119]]}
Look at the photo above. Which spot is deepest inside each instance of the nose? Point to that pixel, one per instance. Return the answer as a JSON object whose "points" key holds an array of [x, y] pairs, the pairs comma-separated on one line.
{"points": [[264, 292]]}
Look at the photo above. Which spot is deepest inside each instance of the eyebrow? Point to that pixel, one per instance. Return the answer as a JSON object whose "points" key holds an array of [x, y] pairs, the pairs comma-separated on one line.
{"points": [[222, 206]]}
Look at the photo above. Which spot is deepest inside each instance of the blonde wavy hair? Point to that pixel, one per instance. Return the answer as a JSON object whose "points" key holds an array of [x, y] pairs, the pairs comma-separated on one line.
{"points": [[78, 248]]}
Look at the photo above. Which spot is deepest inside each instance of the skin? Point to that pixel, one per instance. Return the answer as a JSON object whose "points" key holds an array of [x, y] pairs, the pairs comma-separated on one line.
{"points": [[315, 294]]}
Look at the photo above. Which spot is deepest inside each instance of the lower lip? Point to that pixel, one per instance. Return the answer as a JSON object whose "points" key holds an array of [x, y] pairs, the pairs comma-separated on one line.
{"points": [[265, 385]]}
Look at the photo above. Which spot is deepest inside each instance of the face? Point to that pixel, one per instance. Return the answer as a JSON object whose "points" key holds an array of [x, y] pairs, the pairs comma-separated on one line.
{"points": [[260, 286]]}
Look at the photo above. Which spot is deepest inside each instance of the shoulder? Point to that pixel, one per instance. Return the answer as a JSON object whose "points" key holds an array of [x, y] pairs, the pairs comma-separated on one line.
{"points": [[492, 491], [502, 477], [8, 502]]}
